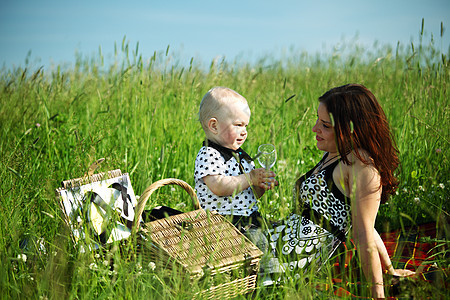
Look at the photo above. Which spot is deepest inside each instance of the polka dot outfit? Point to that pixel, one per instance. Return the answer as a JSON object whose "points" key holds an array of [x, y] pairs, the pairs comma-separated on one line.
{"points": [[300, 239], [213, 160]]}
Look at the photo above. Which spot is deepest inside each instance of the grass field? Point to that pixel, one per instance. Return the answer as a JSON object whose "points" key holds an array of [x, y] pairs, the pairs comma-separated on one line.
{"points": [[140, 114]]}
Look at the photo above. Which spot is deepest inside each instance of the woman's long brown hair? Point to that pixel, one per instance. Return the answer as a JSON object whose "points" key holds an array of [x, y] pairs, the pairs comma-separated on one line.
{"points": [[360, 123]]}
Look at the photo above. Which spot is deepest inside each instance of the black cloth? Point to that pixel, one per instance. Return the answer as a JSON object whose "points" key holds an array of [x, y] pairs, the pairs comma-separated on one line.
{"points": [[228, 153]]}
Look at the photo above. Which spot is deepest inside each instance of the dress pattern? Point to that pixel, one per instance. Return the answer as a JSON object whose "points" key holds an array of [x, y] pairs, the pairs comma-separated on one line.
{"points": [[315, 233]]}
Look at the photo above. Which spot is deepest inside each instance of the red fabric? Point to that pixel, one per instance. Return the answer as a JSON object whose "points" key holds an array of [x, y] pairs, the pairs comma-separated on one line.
{"points": [[407, 248]]}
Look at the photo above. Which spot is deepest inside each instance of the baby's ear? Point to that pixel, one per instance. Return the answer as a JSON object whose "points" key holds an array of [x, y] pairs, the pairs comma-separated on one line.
{"points": [[212, 125]]}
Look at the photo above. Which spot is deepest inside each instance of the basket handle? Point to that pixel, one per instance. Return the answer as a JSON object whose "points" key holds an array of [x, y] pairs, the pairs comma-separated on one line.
{"points": [[153, 187]]}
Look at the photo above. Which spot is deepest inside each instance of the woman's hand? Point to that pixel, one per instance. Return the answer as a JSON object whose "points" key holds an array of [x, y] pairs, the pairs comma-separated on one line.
{"points": [[401, 272], [386, 260]]}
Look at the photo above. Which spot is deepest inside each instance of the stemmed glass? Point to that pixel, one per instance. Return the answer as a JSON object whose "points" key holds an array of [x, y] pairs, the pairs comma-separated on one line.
{"points": [[267, 155]]}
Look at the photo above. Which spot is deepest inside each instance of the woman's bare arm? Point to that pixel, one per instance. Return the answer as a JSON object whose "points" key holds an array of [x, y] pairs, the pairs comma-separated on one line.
{"points": [[386, 260], [364, 184]]}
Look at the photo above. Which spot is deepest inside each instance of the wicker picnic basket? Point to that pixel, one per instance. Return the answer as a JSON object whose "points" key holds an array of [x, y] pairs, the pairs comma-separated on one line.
{"points": [[203, 245]]}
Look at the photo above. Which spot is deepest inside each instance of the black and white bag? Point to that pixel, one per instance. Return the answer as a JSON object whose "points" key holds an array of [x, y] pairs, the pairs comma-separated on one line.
{"points": [[99, 206]]}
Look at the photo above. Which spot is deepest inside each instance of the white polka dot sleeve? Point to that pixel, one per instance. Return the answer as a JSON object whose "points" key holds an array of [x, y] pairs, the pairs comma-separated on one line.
{"points": [[209, 161]]}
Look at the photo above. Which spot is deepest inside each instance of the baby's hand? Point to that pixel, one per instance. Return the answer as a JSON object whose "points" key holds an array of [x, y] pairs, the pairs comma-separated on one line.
{"points": [[263, 178]]}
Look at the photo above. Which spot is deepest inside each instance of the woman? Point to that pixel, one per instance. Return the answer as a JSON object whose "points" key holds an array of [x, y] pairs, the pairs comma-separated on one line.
{"points": [[344, 190]]}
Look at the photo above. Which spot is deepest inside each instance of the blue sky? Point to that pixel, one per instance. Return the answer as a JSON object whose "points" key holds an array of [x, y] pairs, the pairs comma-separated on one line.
{"points": [[55, 30]]}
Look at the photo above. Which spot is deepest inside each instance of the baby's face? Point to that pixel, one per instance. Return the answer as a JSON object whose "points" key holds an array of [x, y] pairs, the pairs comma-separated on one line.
{"points": [[232, 125]]}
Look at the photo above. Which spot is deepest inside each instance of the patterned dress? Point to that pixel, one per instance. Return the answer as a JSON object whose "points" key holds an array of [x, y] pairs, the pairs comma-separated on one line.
{"points": [[313, 235]]}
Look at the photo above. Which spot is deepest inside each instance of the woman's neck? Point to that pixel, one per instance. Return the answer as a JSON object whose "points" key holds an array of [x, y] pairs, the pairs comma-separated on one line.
{"points": [[328, 159]]}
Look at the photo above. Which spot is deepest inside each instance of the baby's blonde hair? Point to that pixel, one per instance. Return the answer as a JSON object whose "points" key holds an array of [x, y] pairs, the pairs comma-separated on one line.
{"points": [[213, 102]]}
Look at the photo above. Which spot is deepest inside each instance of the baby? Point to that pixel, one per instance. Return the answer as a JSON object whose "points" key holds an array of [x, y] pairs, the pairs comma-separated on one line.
{"points": [[225, 176]]}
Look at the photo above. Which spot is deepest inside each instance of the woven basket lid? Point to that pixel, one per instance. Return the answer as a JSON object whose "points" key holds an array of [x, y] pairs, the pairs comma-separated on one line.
{"points": [[198, 239]]}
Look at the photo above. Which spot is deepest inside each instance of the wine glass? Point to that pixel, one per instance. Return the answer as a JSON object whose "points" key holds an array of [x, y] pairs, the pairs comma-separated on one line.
{"points": [[267, 155]]}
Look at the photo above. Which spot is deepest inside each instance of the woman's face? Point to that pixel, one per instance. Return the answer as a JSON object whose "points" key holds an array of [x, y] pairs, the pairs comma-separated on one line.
{"points": [[326, 139]]}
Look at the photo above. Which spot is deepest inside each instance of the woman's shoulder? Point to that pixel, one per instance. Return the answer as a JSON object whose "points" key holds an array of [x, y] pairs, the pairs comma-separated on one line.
{"points": [[360, 157], [361, 163]]}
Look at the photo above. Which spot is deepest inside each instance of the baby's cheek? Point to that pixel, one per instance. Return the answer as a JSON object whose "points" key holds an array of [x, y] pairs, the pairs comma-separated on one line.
{"points": [[239, 130]]}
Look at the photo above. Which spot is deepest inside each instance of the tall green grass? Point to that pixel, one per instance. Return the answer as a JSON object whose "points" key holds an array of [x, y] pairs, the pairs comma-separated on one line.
{"points": [[140, 113]]}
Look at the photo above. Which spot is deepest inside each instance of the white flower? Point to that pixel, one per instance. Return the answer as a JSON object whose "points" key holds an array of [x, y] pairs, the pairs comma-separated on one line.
{"points": [[105, 263], [152, 266], [93, 266], [181, 205], [172, 189], [441, 185], [22, 257], [417, 200], [421, 188], [201, 273], [276, 195], [138, 266]]}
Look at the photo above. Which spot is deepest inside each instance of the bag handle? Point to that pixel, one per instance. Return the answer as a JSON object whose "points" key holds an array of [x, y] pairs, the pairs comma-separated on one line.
{"points": [[156, 185]]}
